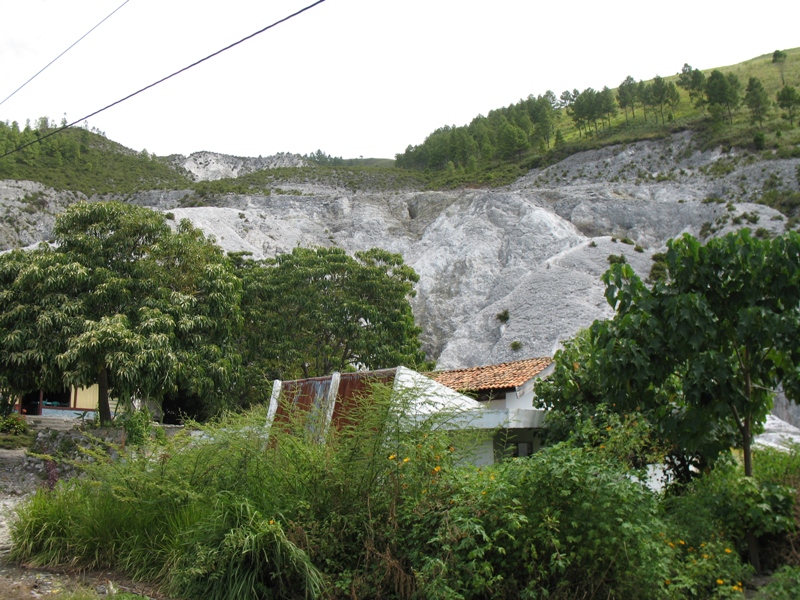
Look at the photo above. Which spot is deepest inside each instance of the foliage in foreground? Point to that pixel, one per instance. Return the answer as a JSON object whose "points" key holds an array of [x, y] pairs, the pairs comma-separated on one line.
{"points": [[699, 355], [384, 509], [120, 300]]}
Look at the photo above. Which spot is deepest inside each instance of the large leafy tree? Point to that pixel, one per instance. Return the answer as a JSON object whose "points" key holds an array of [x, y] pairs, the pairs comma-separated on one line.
{"points": [[123, 301], [579, 390], [702, 352], [319, 310], [724, 323]]}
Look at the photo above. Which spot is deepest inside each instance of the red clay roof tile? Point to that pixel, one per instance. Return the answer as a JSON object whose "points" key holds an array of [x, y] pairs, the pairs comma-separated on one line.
{"points": [[505, 375]]}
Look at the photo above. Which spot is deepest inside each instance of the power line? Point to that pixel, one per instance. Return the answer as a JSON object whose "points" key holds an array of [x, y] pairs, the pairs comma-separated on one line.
{"points": [[64, 52], [162, 80]]}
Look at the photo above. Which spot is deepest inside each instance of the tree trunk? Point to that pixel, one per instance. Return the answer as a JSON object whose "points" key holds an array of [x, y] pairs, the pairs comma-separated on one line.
{"points": [[747, 455], [103, 406], [747, 452]]}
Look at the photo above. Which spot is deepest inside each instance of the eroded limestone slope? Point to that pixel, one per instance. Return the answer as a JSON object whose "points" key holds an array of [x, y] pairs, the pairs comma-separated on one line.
{"points": [[536, 248]]}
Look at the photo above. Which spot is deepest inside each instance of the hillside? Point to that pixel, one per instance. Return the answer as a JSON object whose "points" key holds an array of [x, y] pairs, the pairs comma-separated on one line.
{"points": [[716, 104], [536, 248], [528, 231]]}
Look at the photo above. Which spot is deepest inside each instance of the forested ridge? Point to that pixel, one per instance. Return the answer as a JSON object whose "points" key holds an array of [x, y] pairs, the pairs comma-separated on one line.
{"points": [[754, 104]]}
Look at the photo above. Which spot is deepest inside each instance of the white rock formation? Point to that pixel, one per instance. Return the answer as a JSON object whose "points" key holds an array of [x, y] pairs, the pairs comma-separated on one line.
{"points": [[536, 248], [210, 166]]}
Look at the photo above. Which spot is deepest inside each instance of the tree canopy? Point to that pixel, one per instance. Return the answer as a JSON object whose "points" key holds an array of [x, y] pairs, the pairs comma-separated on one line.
{"points": [[701, 354], [314, 311], [122, 301], [757, 101], [702, 351], [789, 100], [723, 323]]}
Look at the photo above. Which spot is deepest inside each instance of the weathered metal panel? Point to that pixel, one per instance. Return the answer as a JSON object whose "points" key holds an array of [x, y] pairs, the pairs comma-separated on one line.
{"points": [[309, 396], [353, 388]]}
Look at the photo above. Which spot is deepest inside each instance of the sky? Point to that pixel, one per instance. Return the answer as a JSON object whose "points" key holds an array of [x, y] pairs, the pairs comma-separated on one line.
{"points": [[350, 77]]}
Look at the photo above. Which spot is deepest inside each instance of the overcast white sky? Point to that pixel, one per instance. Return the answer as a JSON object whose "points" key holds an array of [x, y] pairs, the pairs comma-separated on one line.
{"points": [[352, 77]]}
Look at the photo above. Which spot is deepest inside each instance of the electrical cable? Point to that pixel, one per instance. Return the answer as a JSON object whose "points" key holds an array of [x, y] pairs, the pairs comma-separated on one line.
{"points": [[162, 80], [64, 52]]}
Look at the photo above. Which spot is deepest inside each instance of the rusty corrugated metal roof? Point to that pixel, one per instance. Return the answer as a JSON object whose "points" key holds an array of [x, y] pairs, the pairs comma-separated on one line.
{"points": [[309, 395], [505, 375]]}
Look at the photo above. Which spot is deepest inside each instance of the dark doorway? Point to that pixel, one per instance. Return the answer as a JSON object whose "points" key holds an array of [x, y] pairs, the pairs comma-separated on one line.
{"points": [[33, 402]]}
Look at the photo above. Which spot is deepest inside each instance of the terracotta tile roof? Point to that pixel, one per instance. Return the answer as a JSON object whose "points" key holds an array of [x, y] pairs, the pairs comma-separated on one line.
{"points": [[505, 375]]}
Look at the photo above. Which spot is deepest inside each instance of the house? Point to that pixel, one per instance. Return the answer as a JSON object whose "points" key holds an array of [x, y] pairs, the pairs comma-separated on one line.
{"points": [[505, 393], [328, 400], [67, 403], [502, 406]]}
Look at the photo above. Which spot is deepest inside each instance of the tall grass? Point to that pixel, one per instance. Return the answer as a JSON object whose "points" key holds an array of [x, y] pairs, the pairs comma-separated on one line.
{"points": [[387, 506], [230, 513]]}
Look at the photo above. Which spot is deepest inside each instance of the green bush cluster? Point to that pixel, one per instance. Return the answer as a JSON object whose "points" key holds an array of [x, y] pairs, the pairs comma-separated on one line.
{"points": [[13, 424], [138, 425], [390, 507]]}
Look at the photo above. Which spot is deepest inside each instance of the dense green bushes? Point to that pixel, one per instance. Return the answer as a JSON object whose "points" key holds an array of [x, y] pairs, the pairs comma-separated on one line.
{"points": [[390, 508]]}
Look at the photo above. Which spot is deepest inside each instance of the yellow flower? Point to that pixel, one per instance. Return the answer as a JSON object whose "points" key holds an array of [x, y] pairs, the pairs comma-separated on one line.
{"points": [[608, 428], [406, 459], [392, 456], [682, 543], [437, 468], [671, 545], [272, 521], [483, 493], [728, 550], [452, 449], [667, 582], [705, 556], [720, 582]]}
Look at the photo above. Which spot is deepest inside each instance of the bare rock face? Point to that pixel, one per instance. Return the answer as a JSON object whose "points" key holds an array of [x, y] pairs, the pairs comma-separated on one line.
{"points": [[536, 248], [29, 212], [210, 166]]}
